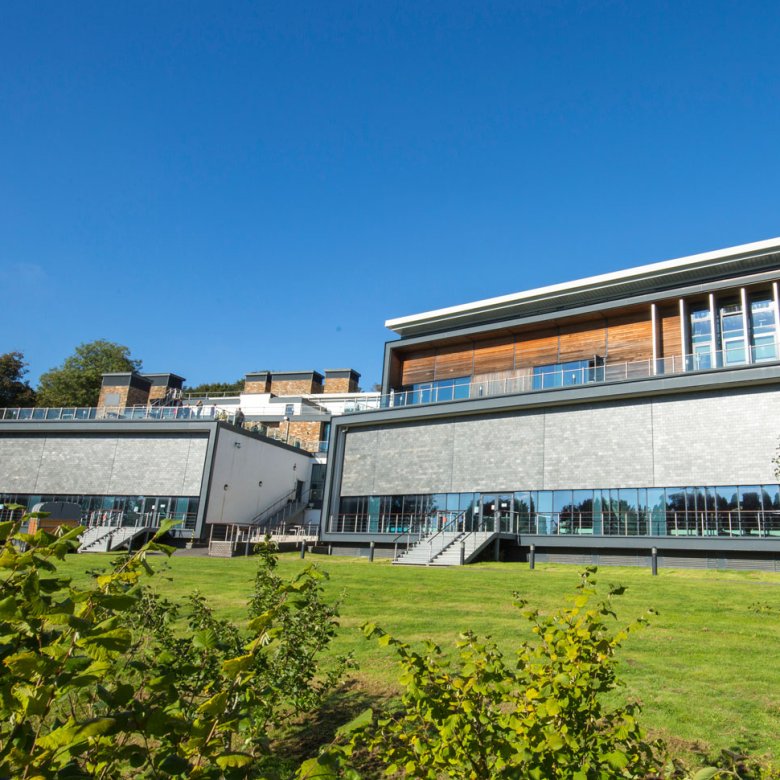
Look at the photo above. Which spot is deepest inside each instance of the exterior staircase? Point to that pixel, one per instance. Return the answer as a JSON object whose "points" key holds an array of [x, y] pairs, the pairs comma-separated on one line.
{"points": [[443, 548], [107, 538], [235, 539]]}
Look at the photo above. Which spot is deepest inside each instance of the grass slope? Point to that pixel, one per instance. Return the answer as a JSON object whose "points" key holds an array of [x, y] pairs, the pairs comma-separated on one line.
{"points": [[707, 670]]}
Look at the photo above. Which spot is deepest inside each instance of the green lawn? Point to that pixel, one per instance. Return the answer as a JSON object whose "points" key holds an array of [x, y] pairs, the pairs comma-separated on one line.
{"points": [[706, 670]]}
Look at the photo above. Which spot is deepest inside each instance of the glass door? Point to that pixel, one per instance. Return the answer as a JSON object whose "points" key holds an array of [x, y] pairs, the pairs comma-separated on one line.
{"points": [[497, 512]]}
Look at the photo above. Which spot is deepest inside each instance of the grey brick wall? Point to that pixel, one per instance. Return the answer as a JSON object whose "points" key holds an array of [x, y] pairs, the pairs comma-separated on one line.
{"points": [[714, 438], [102, 465]]}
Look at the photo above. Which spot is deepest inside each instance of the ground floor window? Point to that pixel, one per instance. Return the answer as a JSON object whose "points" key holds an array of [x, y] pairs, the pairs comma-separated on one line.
{"points": [[725, 510], [115, 510]]}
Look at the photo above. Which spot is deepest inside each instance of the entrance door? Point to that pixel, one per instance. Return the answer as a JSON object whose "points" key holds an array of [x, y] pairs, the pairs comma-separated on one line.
{"points": [[496, 512]]}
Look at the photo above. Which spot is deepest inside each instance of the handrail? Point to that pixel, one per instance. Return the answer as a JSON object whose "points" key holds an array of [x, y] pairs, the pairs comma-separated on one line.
{"points": [[442, 530], [526, 381], [408, 534], [270, 510], [269, 513]]}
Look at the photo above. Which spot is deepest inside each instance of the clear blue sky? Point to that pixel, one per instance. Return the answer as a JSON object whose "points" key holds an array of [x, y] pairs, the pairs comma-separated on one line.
{"points": [[229, 186]]}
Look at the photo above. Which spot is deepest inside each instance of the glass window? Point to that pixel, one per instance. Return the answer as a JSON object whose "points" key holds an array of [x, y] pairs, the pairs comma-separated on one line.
{"points": [[732, 328], [575, 372], [461, 387], [676, 518], [656, 504], [762, 328], [582, 511], [750, 510], [701, 337], [523, 507]]}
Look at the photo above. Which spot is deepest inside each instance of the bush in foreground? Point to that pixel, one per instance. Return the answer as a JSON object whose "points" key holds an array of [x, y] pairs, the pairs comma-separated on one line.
{"points": [[105, 682], [543, 715]]}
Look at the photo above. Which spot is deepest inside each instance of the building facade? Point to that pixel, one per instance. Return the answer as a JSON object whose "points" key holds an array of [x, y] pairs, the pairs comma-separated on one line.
{"points": [[592, 420]]}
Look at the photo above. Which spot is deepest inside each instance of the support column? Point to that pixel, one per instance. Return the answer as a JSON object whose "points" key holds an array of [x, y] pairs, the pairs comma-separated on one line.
{"points": [[654, 326], [713, 342], [683, 334], [777, 319], [746, 325]]}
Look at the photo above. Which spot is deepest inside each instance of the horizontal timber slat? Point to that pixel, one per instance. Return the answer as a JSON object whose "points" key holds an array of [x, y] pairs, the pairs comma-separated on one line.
{"points": [[494, 355], [582, 341], [630, 337]]}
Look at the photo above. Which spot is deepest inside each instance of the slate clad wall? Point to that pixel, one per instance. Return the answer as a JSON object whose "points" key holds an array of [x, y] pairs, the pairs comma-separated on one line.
{"points": [[103, 465], [715, 438]]}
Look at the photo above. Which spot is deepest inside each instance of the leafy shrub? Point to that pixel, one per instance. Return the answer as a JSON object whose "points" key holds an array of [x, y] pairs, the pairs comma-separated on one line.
{"points": [[105, 682]]}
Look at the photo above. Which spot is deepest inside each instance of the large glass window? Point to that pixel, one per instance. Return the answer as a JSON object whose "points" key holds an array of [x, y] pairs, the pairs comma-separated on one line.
{"points": [[752, 510], [732, 328], [574, 372], [582, 511], [454, 389], [762, 328], [701, 337]]}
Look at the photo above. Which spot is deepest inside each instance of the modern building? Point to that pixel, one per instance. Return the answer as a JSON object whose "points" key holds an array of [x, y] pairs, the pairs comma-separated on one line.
{"points": [[149, 450], [588, 421]]}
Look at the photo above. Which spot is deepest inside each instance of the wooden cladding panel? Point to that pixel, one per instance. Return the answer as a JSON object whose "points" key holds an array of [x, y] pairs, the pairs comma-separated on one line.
{"points": [[582, 341], [494, 355], [457, 360], [538, 348], [418, 367], [670, 338], [630, 337]]}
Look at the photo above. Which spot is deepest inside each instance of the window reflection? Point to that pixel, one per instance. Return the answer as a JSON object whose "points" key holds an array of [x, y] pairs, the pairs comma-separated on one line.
{"points": [[731, 511]]}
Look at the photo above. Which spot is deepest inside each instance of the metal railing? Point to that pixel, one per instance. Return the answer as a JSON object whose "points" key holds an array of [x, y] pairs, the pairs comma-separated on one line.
{"points": [[232, 394], [125, 519], [279, 510], [532, 380], [398, 523], [82, 413], [736, 523]]}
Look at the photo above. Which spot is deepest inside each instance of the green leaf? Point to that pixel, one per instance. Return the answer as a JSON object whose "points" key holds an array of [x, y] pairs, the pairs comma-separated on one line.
{"points": [[166, 525], [319, 768], [617, 759], [7, 526], [365, 717], [706, 774], [173, 765], [215, 705], [106, 644], [7, 607], [234, 760], [233, 666]]}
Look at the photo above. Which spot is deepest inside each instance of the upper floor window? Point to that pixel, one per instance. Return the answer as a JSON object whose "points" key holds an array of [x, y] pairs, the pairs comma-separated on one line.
{"points": [[574, 372], [454, 389], [762, 328]]}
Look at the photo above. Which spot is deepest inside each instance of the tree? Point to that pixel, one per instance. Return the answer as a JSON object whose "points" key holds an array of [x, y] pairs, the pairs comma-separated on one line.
{"points": [[77, 381], [209, 388], [14, 390]]}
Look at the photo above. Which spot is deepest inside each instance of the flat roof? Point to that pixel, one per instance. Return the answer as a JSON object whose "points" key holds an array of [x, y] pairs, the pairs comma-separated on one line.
{"points": [[628, 281]]}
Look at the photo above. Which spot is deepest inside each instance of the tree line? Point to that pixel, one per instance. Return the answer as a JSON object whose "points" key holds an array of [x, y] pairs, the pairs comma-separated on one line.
{"points": [[77, 380]]}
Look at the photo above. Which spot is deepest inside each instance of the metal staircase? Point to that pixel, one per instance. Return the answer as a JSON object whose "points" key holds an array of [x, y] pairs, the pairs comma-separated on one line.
{"points": [[107, 538], [230, 539], [284, 512], [443, 548]]}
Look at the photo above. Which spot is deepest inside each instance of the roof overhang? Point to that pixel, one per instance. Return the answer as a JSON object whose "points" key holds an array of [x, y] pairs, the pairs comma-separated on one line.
{"points": [[632, 281]]}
